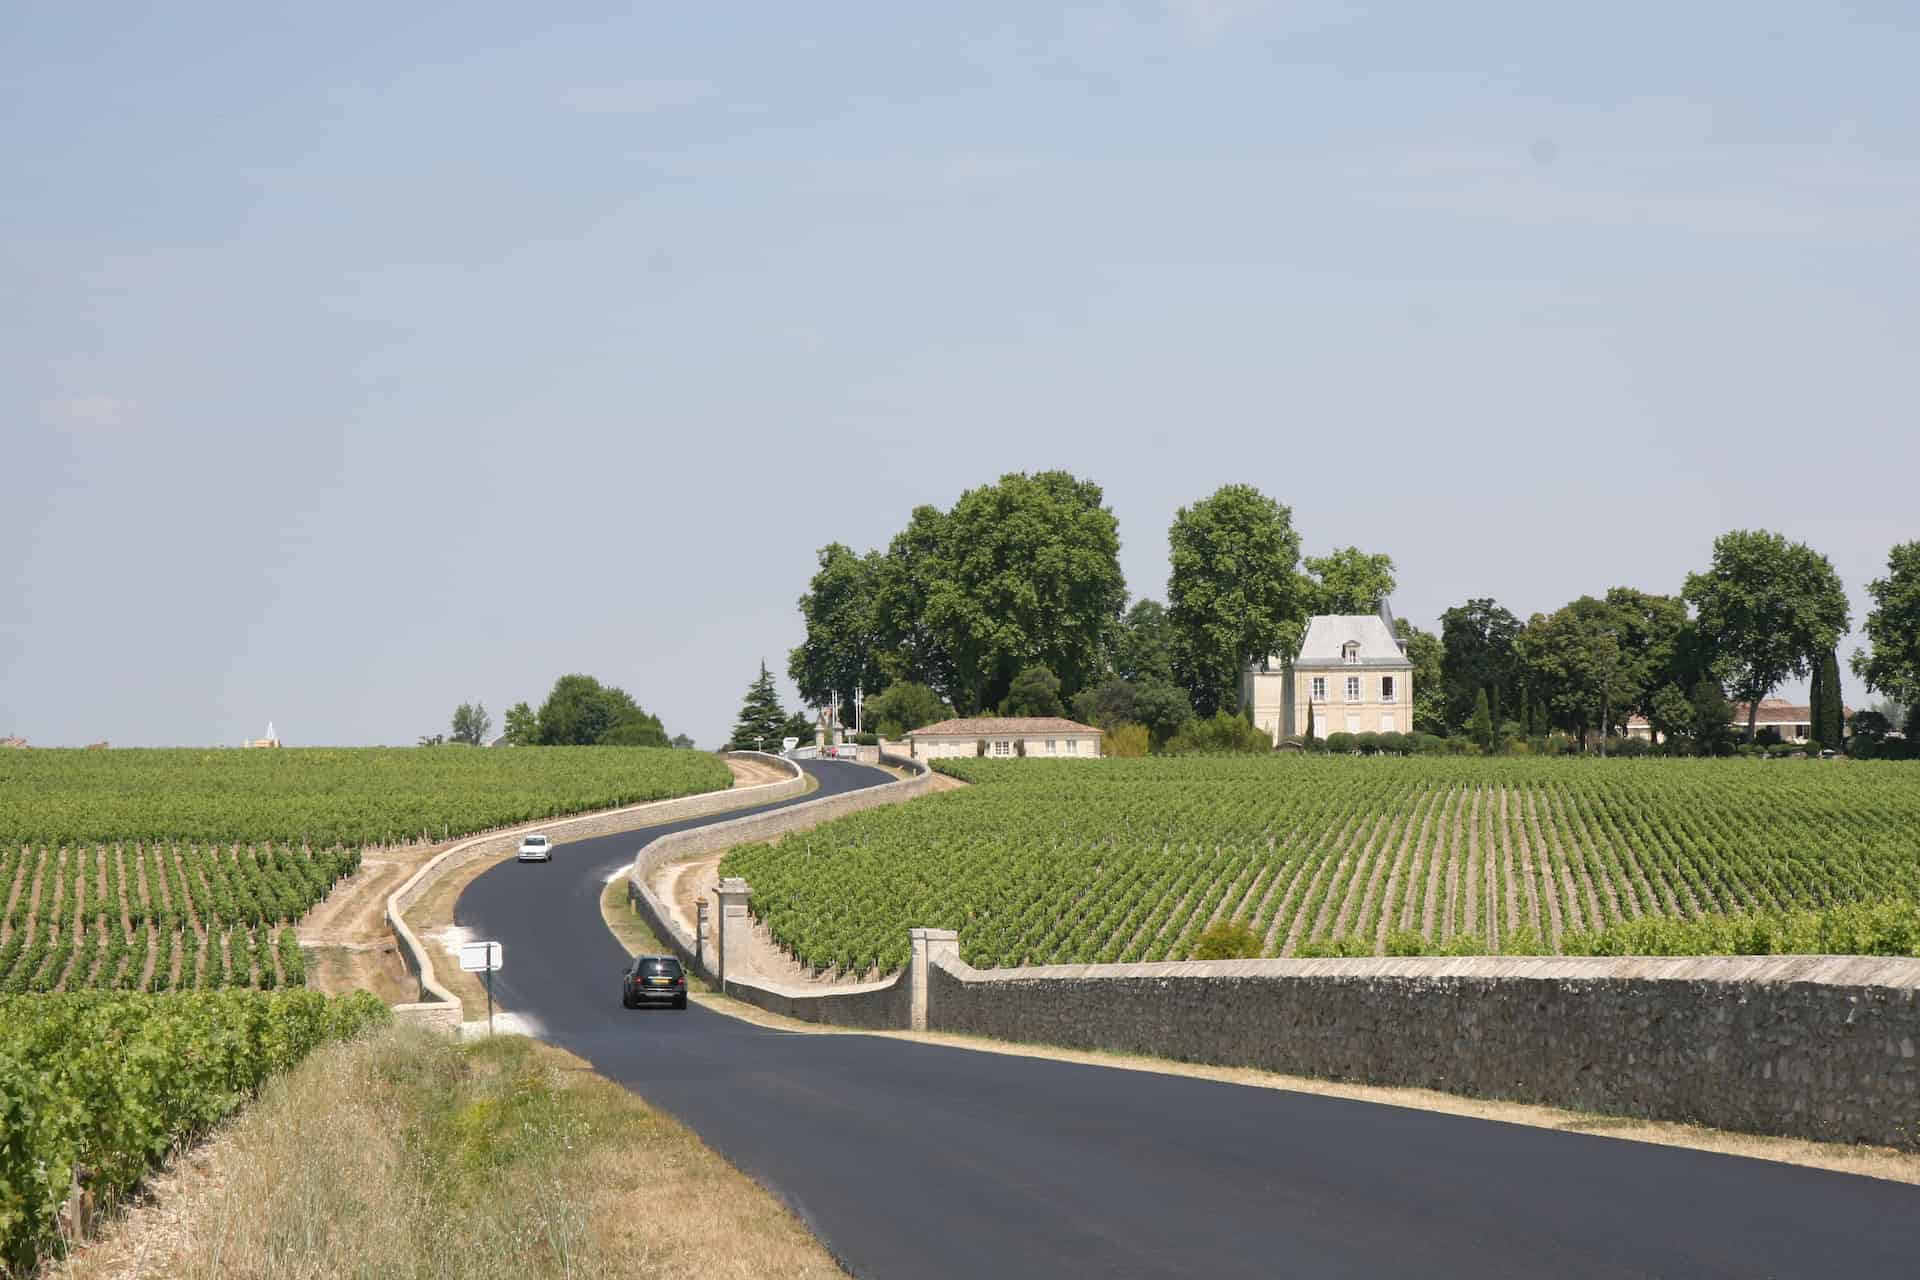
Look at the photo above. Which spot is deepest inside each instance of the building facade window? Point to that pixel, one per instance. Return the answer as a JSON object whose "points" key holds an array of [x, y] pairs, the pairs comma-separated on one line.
{"points": [[1386, 688], [1053, 744], [1073, 746], [1353, 724], [1350, 651], [1353, 688], [1386, 722], [1319, 688], [1002, 747]]}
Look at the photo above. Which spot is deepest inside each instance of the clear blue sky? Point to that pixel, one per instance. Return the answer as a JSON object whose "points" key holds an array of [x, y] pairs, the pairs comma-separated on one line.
{"points": [[356, 360]]}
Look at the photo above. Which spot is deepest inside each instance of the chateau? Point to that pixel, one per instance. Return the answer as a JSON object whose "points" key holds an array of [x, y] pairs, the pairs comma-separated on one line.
{"points": [[1352, 669]]}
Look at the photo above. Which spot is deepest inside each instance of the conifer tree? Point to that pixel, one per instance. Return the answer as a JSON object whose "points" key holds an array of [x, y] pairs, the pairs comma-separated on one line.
{"points": [[1481, 726], [761, 720], [1833, 729], [1309, 721], [1816, 700]]}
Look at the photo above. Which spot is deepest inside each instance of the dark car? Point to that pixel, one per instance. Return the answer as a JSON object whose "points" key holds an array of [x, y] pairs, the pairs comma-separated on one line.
{"points": [[653, 979]]}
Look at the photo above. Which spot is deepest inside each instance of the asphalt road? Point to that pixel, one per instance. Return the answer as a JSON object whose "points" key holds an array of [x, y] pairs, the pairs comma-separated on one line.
{"points": [[915, 1160]]}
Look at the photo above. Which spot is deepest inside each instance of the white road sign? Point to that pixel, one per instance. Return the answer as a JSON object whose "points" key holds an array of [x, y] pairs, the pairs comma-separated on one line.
{"points": [[480, 957]]}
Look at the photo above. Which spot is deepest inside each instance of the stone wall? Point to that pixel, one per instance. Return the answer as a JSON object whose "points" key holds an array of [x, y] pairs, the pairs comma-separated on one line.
{"points": [[434, 997], [1802, 1046], [753, 828]]}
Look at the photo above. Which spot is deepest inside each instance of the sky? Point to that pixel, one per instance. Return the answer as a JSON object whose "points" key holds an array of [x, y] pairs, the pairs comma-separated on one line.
{"points": [[360, 360]]}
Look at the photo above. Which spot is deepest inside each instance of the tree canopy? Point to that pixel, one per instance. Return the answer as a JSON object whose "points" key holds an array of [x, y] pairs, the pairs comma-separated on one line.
{"points": [[1347, 581], [1034, 692], [1771, 607], [471, 724], [1144, 644], [1477, 642], [905, 706], [1020, 573], [1234, 594], [580, 712], [1891, 665], [842, 650]]}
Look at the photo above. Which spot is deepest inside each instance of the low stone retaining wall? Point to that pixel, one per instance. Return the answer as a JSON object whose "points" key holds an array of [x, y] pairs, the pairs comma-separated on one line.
{"points": [[1820, 1047], [682, 845], [440, 1007]]}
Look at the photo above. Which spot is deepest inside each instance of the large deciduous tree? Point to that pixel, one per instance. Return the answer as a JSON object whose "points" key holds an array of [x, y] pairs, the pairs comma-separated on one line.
{"points": [[762, 723], [522, 726], [1347, 581], [1477, 641], [1023, 572], [1235, 593], [1892, 664], [842, 651], [906, 705], [580, 711], [1034, 692], [471, 724], [1144, 645], [1577, 658], [1767, 608], [1429, 681]]}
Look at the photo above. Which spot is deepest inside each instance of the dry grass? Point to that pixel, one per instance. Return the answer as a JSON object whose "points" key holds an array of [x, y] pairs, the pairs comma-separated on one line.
{"points": [[406, 1155]]}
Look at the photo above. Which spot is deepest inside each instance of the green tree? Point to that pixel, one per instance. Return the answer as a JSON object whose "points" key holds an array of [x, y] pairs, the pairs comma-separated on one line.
{"points": [[1712, 718], [904, 707], [1164, 708], [1892, 664], [471, 724], [682, 742], [1575, 655], [1034, 692], [1671, 715], [1234, 595], [1833, 731], [1816, 709], [801, 725], [1766, 606], [1480, 729], [1658, 644], [1222, 733], [842, 649], [522, 727], [1477, 653], [580, 711], [1107, 704], [762, 723], [1022, 572], [1348, 581], [1429, 680], [1143, 647]]}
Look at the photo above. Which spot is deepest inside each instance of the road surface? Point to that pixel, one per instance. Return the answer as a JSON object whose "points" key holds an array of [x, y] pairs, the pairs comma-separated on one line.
{"points": [[918, 1160]]}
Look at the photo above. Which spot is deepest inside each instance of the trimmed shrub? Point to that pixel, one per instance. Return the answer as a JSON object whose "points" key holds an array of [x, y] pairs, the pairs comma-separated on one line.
{"points": [[1226, 940], [1126, 741], [1369, 743], [1341, 744]]}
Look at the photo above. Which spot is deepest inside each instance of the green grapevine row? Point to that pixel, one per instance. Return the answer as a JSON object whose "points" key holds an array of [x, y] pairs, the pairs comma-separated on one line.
{"points": [[1128, 860], [113, 1083]]}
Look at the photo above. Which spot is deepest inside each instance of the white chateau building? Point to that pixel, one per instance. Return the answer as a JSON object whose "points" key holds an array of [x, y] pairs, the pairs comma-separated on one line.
{"points": [[1352, 669]]}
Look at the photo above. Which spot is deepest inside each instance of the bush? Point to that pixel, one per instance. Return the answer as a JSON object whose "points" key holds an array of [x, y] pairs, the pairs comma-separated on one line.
{"points": [[866, 739], [1342, 744], [1629, 747], [1426, 744], [1126, 741], [1223, 734], [1394, 744], [1369, 743], [1524, 941], [1226, 940], [1406, 942]]}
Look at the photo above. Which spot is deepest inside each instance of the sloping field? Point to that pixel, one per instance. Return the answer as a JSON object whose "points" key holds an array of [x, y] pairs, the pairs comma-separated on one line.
{"points": [[185, 870], [1128, 860], [326, 797]]}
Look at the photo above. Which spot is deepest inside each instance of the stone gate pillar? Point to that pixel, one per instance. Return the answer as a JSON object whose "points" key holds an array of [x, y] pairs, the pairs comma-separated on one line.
{"points": [[736, 930], [701, 927], [930, 947]]}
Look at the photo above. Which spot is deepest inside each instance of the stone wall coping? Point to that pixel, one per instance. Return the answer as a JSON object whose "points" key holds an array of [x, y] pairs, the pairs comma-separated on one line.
{"points": [[417, 956], [790, 992], [1894, 972]]}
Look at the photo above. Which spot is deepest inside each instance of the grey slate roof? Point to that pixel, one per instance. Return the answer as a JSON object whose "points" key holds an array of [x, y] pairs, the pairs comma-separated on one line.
{"points": [[1327, 633]]}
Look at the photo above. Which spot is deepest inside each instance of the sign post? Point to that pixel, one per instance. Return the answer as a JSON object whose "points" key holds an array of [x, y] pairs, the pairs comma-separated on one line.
{"points": [[482, 957]]}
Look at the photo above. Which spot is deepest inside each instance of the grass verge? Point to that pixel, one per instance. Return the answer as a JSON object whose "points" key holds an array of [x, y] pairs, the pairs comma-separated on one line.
{"points": [[406, 1154]]}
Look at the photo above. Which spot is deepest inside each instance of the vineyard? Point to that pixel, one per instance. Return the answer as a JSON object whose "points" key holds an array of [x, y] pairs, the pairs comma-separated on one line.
{"points": [[325, 797], [1128, 860], [112, 1083], [158, 917]]}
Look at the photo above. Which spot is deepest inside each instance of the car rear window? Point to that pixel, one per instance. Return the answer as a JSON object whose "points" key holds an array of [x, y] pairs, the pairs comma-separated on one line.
{"points": [[660, 968], [536, 839]]}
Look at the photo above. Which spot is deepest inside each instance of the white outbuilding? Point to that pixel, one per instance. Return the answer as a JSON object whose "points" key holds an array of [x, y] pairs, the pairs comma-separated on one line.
{"points": [[1007, 737]]}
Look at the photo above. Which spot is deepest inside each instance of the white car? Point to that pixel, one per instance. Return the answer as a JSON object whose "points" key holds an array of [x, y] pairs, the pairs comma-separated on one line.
{"points": [[536, 848]]}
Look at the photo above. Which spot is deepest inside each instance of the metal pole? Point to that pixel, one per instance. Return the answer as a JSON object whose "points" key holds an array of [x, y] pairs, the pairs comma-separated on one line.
{"points": [[489, 999]]}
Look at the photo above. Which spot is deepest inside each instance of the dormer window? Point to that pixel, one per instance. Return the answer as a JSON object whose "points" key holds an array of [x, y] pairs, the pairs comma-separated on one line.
{"points": [[1350, 652]]}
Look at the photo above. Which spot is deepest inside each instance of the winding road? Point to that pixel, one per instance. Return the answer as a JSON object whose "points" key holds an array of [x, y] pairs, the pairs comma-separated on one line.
{"points": [[920, 1160]]}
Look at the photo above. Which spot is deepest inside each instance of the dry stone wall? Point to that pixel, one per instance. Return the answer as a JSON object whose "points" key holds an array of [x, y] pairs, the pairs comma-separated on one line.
{"points": [[1810, 1047]]}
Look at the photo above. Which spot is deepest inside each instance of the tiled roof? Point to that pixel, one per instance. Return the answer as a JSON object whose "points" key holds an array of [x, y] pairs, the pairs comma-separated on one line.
{"points": [[988, 726]]}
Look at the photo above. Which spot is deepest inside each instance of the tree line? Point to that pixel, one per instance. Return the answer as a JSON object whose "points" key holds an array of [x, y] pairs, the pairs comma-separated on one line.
{"points": [[1013, 602], [579, 712]]}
